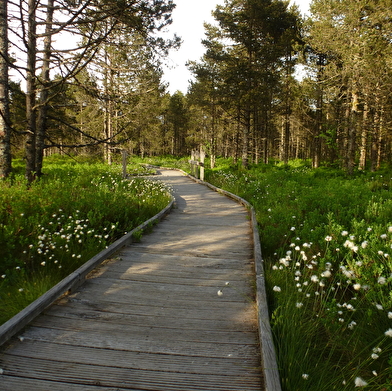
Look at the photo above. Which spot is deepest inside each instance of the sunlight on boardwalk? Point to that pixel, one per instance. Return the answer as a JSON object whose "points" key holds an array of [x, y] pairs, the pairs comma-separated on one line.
{"points": [[151, 318]]}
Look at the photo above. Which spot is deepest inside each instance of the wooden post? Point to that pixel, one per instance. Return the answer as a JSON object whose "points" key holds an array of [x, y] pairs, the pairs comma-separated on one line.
{"points": [[197, 158], [192, 162], [124, 163], [201, 164]]}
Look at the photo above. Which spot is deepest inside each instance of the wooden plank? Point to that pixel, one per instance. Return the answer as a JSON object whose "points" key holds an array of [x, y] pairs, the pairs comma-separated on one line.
{"points": [[127, 378], [11, 383], [243, 322], [187, 312], [136, 360]]}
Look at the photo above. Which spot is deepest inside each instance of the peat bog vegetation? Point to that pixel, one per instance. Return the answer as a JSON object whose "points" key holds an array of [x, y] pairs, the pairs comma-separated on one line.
{"points": [[74, 211], [326, 240]]}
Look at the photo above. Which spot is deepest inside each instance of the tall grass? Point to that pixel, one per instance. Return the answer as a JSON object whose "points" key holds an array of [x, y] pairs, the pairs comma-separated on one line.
{"points": [[326, 241], [62, 220]]}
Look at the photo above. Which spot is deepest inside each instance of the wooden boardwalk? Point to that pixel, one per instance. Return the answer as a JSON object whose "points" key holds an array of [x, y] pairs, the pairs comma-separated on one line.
{"points": [[151, 318]]}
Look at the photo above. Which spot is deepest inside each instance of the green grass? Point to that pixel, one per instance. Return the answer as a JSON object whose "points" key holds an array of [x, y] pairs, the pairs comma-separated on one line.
{"points": [[74, 211], [326, 240]]}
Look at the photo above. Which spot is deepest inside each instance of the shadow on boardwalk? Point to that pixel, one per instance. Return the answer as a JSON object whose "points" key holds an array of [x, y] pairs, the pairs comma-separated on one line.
{"points": [[151, 318]]}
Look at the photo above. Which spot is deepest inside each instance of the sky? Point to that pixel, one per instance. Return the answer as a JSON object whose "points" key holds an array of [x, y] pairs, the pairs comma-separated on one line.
{"points": [[188, 20]]}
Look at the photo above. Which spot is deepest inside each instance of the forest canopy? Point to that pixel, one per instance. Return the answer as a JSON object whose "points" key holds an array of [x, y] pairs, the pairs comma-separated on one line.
{"points": [[271, 85]]}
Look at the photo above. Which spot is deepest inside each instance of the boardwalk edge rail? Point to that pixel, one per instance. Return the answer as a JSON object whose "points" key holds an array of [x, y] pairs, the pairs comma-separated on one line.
{"points": [[268, 354], [72, 281]]}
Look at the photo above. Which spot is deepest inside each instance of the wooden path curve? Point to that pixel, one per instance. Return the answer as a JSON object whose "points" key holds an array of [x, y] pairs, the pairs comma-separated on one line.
{"points": [[151, 318]]}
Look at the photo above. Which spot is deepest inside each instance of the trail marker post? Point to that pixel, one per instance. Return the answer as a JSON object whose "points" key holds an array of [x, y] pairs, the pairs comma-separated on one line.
{"points": [[197, 163]]}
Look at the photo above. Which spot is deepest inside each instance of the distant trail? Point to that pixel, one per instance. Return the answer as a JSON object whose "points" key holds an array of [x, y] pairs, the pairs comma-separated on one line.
{"points": [[151, 317]]}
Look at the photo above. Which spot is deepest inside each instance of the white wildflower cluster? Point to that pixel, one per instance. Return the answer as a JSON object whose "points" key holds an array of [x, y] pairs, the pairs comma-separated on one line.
{"points": [[65, 234], [314, 278]]}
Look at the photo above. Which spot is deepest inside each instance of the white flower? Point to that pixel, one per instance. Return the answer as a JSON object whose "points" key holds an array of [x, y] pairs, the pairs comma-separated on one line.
{"points": [[276, 289], [284, 261], [351, 325], [360, 382], [220, 293], [350, 307], [292, 229], [328, 238], [375, 356], [390, 229], [390, 315], [344, 233], [379, 307], [364, 244], [326, 274], [314, 278], [299, 305], [357, 287], [20, 289], [383, 236], [382, 280], [305, 376], [388, 333], [348, 243]]}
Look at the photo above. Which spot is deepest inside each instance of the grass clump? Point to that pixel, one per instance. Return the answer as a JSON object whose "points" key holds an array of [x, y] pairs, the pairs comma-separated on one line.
{"points": [[62, 220], [326, 241]]}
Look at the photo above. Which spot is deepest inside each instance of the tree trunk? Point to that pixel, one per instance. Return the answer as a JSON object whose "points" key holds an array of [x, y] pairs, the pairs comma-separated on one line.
{"points": [[364, 139], [31, 110], [245, 140], [5, 129], [352, 134], [213, 133], [316, 158], [44, 95]]}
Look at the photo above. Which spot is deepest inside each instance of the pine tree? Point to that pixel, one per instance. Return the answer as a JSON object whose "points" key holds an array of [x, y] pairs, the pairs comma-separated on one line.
{"points": [[5, 126]]}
